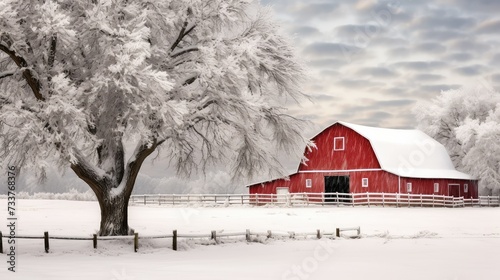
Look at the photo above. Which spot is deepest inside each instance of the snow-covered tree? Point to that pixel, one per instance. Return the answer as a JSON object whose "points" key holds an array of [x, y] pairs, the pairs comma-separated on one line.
{"points": [[467, 122], [201, 81]]}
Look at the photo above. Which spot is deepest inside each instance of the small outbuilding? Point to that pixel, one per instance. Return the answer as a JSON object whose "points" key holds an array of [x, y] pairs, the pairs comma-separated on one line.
{"points": [[351, 158]]}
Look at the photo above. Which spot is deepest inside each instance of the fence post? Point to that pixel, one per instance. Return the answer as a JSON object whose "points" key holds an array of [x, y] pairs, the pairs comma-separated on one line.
{"points": [[94, 239], [214, 236], [1, 243], [383, 200], [136, 241], [318, 234], [269, 234], [368, 197], [337, 232], [174, 240], [247, 235], [421, 202], [46, 241]]}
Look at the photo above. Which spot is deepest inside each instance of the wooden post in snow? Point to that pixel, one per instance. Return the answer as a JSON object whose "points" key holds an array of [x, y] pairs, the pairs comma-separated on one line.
{"points": [[337, 232], [318, 234], [46, 241], [174, 240], [247, 235], [1, 243], [94, 239], [136, 241]]}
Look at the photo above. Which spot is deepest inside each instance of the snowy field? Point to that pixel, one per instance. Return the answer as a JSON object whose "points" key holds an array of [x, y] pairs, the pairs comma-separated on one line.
{"points": [[402, 243]]}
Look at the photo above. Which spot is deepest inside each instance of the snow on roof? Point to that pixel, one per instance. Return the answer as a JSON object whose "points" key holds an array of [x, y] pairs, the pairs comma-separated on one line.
{"points": [[409, 153]]}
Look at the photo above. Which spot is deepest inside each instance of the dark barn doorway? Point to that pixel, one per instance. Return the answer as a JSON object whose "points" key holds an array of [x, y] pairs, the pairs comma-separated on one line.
{"points": [[337, 184]]}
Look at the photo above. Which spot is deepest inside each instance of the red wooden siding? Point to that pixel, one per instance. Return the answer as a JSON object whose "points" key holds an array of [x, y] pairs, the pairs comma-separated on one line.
{"points": [[357, 153], [357, 160]]}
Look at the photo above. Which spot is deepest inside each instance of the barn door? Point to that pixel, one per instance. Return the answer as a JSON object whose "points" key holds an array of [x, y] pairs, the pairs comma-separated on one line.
{"points": [[336, 184], [282, 194], [454, 190]]}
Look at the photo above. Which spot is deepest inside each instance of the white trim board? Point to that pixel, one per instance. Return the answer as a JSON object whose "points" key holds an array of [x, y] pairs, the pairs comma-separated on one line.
{"points": [[341, 170]]}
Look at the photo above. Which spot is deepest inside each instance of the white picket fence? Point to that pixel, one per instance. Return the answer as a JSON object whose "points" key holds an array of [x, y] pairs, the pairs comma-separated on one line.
{"points": [[306, 199]]}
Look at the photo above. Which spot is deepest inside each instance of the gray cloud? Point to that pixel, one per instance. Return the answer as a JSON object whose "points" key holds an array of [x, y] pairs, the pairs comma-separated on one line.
{"points": [[469, 44], [377, 72], [461, 56], [420, 65], [315, 10], [439, 35], [428, 77], [471, 70], [399, 52], [430, 47], [388, 41], [495, 60], [357, 83], [393, 103], [337, 50], [437, 88], [441, 21], [328, 63], [489, 27], [482, 6], [359, 32], [305, 31], [323, 97]]}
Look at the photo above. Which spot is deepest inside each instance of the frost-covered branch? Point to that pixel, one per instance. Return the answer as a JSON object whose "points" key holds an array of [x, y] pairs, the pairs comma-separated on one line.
{"points": [[27, 73], [6, 74]]}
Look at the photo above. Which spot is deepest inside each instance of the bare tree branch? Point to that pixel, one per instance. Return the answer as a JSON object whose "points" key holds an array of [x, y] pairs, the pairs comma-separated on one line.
{"points": [[27, 74]]}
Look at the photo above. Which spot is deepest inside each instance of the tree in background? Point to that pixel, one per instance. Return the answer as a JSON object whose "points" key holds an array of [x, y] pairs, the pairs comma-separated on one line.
{"points": [[467, 122], [201, 81]]}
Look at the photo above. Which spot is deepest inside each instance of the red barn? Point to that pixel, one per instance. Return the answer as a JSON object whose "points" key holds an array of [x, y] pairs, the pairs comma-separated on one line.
{"points": [[352, 158]]}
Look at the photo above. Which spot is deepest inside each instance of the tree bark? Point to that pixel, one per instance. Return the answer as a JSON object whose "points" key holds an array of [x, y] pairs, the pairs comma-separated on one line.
{"points": [[113, 202], [114, 216]]}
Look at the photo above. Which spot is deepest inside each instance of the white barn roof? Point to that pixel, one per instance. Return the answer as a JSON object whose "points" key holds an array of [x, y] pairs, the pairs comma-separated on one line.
{"points": [[409, 153]]}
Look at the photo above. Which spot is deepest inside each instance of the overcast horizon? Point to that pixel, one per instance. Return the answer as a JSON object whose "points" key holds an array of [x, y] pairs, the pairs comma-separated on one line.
{"points": [[372, 61]]}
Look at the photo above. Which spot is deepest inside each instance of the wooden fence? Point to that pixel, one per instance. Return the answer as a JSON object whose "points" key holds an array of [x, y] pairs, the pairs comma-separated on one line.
{"points": [[305, 199], [213, 235]]}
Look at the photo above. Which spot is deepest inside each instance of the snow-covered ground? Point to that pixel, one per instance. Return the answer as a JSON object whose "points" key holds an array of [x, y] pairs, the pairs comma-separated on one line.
{"points": [[396, 243]]}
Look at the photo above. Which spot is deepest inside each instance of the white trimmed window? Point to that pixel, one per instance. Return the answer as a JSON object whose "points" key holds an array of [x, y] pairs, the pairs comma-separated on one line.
{"points": [[364, 182], [309, 183], [408, 187], [436, 187], [466, 187], [338, 144]]}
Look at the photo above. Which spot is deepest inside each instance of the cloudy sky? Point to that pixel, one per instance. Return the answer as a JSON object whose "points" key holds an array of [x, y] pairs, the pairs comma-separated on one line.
{"points": [[371, 61]]}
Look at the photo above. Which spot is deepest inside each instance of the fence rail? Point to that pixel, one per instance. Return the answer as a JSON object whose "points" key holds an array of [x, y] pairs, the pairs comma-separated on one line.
{"points": [[305, 199], [213, 235]]}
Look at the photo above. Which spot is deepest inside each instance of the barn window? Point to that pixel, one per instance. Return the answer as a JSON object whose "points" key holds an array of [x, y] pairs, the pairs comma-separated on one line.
{"points": [[408, 187], [364, 182], [436, 187], [466, 187], [309, 183], [338, 144]]}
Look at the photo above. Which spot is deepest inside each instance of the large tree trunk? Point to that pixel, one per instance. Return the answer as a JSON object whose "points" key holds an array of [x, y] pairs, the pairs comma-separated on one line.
{"points": [[113, 191], [114, 216]]}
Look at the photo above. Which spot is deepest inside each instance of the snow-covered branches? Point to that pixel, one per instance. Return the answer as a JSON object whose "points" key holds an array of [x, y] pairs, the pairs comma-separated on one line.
{"points": [[467, 122], [203, 79]]}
